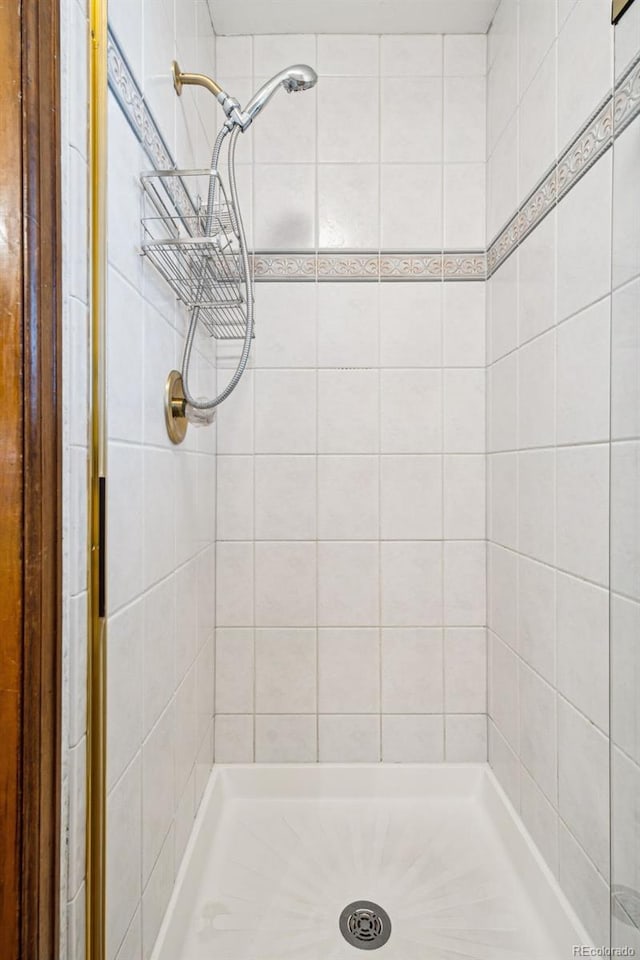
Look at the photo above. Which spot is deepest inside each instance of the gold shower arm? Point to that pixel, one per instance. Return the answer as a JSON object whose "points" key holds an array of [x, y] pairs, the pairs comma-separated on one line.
{"points": [[198, 79]]}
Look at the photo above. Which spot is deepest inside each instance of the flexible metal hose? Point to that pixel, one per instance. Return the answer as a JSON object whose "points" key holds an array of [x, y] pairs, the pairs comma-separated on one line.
{"points": [[248, 287]]}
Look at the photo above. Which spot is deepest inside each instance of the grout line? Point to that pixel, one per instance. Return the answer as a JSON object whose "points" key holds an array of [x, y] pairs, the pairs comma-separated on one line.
{"points": [[316, 314], [559, 695], [255, 379], [379, 404], [443, 393], [550, 566], [610, 533], [557, 323]]}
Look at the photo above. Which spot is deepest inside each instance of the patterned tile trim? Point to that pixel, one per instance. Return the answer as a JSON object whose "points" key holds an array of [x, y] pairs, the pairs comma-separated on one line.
{"points": [[626, 102], [323, 266], [592, 141], [284, 266], [125, 88], [362, 266]]}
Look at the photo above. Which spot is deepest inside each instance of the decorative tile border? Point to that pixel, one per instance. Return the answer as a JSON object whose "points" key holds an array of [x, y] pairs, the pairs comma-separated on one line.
{"points": [[360, 265], [284, 266], [277, 266], [124, 86], [626, 100], [593, 140]]}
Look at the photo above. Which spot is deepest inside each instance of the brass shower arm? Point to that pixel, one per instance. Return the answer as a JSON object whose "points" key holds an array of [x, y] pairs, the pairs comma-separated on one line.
{"points": [[229, 104], [198, 79]]}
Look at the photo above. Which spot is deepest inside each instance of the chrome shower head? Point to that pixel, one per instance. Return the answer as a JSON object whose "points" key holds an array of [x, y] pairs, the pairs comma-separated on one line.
{"points": [[293, 79]]}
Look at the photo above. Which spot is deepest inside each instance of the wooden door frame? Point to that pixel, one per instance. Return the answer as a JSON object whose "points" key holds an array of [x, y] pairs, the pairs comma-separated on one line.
{"points": [[30, 480]]}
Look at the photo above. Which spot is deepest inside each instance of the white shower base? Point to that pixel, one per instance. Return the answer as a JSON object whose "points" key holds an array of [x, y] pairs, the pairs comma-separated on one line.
{"points": [[277, 852]]}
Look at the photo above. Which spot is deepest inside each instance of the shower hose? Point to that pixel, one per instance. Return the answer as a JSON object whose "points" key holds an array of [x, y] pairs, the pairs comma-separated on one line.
{"points": [[191, 401]]}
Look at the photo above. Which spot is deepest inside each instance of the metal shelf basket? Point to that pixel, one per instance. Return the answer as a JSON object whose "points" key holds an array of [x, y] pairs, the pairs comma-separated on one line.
{"points": [[196, 251]]}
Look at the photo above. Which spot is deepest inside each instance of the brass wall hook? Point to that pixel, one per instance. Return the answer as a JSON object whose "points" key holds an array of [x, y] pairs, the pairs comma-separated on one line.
{"points": [[175, 408]]}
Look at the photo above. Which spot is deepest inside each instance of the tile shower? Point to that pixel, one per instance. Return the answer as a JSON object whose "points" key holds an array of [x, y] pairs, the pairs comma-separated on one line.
{"points": [[398, 541]]}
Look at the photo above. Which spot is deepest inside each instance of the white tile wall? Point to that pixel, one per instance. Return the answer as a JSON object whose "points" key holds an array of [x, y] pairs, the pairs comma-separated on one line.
{"points": [[549, 330], [161, 514], [357, 442], [356, 163], [625, 514]]}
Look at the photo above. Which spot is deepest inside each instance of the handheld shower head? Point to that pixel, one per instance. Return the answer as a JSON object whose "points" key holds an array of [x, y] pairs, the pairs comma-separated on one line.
{"points": [[293, 79]]}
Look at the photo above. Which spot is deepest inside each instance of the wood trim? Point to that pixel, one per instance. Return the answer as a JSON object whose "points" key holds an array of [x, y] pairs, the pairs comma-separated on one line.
{"points": [[11, 477], [42, 480], [30, 481]]}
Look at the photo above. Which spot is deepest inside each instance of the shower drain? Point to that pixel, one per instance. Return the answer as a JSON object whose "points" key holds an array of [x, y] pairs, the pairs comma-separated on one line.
{"points": [[365, 925]]}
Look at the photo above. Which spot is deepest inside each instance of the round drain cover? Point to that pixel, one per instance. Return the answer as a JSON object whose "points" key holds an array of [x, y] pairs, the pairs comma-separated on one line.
{"points": [[365, 925]]}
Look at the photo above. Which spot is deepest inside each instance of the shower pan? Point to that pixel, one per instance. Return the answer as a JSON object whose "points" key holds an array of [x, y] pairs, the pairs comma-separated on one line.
{"points": [[316, 862]]}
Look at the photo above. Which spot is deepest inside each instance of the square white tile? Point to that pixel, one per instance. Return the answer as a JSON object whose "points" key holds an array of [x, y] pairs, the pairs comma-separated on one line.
{"points": [[286, 739], [502, 592], [411, 324], [404, 55], [347, 325], [285, 325], [411, 214], [412, 739], [234, 739], [348, 206], [464, 120], [285, 216], [235, 497], [464, 324], [583, 647], [464, 497], [285, 588], [464, 583], [234, 670], [348, 584], [348, 411], [348, 120], [583, 375], [411, 411], [411, 126], [412, 670], [464, 411], [465, 670], [411, 583], [348, 498], [285, 671], [466, 738], [348, 55], [583, 511], [342, 655], [285, 415], [410, 497], [285, 497], [538, 725], [348, 739]]}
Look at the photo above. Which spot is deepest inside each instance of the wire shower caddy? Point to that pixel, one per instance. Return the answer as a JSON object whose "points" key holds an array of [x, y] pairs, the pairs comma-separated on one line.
{"points": [[196, 248]]}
